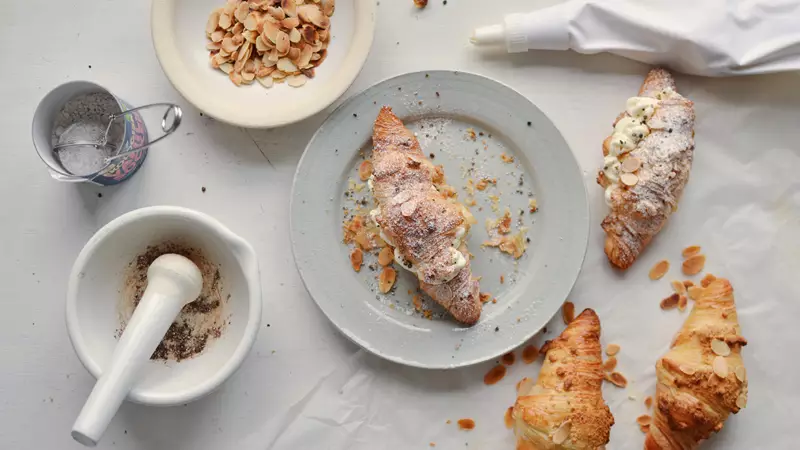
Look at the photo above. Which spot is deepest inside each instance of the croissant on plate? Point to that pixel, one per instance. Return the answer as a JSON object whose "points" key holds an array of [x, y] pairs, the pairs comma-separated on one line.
{"points": [[565, 408], [702, 379]]}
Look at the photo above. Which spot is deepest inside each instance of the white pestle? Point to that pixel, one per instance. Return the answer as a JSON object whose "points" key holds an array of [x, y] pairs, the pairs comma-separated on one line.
{"points": [[172, 282]]}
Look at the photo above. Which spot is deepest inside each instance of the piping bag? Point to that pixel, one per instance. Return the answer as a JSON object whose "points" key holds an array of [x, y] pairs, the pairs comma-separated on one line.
{"points": [[699, 37]]}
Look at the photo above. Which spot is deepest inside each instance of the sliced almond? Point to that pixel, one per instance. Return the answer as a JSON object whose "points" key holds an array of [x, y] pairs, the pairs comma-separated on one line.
{"points": [[708, 279], [690, 251], [322, 55], [328, 7], [386, 256], [290, 23], [294, 36], [568, 312], [629, 179], [273, 56], [237, 28], [230, 8], [610, 364], [242, 10], [250, 36], [687, 369], [228, 45], [631, 164], [365, 170], [264, 71], [612, 349], [312, 14], [643, 428], [720, 366], [741, 400], [289, 7], [252, 21], [617, 379], [529, 354], [282, 43], [267, 62], [225, 21], [720, 348], [236, 77], [309, 34], [678, 287], [217, 36], [266, 81], [278, 75], [386, 279], [293, 55], [325, 35], [659, 270], [314, 56], [277, 13], [694, 264], [213, 22], [261, 47], [562, 433], [694, 292], [213, 46], [741, 374], [670, 302], [648, 402], [305, 57], [682, 303], [270, 32], [407, 209], [286, 65], [644, 419], [688, 283], [227, 67], [297, 80]]}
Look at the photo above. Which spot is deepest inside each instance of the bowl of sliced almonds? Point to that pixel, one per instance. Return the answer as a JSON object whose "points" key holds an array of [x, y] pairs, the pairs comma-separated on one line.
{"points": [[262, 63]]}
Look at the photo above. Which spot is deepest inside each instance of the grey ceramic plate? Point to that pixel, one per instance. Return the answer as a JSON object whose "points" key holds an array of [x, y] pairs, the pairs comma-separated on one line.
{"points": [[444, 108]]}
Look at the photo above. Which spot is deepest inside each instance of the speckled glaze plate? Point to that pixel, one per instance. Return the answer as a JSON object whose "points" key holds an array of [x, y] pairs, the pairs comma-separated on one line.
{"points": [[473, 126]]}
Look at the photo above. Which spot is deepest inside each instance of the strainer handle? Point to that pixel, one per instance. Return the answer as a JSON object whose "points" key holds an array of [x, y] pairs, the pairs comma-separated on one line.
{"points": [[168, 128]]}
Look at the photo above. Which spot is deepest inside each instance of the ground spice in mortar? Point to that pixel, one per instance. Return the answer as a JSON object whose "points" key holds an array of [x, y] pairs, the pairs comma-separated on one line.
{"points": [[198, 321]]}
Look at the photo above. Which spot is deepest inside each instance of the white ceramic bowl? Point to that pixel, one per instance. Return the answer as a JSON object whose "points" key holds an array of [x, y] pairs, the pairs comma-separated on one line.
{"points": [[178, 29], [97, 277]]}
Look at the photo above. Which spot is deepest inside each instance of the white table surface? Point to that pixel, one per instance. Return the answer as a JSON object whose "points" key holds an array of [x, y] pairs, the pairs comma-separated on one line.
{"points": [[304, 385]]}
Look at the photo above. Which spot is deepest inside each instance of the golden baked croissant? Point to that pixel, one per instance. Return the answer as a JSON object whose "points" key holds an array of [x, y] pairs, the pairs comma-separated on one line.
{"points": [[425, 227], [702, 379], [646, 165], [565, 408]]}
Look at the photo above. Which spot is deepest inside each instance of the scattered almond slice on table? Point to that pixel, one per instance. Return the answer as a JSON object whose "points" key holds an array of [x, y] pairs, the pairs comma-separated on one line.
{"points": [[679, 287], [612, 349], [530, 354], [648, 402], [495, 374], [617, 379], [659, 270], [670, 302], [508, 359], [386, 279], [694, 264], [568, 312], [690, 251], [610, 364]]}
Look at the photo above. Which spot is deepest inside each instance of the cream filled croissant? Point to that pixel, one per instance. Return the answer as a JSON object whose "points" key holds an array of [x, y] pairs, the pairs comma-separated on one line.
{"points": [[565, 408], [702, 379], [646, 165], [425, 227]]}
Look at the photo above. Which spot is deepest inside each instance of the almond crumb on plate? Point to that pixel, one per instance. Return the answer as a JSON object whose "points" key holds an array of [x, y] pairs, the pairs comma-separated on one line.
{"points": [[356, 259], [365, 170], [386, 256], [694, 264], [533, 205], [659, 270], [509, 359], [610, 364], [386, 279], [466, 424], [507, 158], [494, 375]]}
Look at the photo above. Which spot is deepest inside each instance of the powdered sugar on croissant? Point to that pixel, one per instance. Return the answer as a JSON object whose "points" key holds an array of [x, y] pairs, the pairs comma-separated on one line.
{"points": [[646, 166]]}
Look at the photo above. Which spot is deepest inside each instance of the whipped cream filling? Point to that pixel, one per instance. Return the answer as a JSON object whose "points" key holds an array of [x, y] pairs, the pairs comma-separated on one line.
{"points": [[459, 261]]}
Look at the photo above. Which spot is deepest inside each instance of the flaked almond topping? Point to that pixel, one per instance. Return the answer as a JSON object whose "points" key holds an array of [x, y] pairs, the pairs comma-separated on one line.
{"points": [[720, 348], [612, 349], [629, 179], [631, 164], [610, 364], [682, 302], [644, 419], [562, 433], [687, 369], [365, 170], [688, 283], [568, 312], [678, 287], [695, 292], [494, 375], [741, 374], [741, 400], [356, 259], [386, 256], [659, 270], [670, 302], [530, 354], [524, 386], [617, 379], [694, 264], [690, 251], [386, 279], [648, 402], [720, 366], [707, 280]]}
